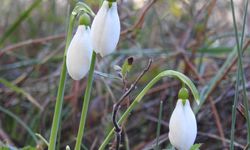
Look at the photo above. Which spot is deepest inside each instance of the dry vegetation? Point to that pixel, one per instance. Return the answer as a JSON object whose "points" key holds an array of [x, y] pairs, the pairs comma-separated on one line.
{"points": [[191, 36]]}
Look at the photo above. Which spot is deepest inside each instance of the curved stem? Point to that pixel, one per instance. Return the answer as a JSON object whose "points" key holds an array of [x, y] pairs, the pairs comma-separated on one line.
{"points": [[85, 103], [137, 100], [60, 93]]}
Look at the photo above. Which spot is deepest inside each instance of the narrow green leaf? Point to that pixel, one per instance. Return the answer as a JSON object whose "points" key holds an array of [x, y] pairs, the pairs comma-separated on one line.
{"points": [[213, 82], [19, 20], [240, 69], [196, 146], [157, 147]]}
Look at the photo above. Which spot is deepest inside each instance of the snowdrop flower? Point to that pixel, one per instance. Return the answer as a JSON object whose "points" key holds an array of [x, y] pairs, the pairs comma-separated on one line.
{"points": [[78, 58], [105, 29], [182, 126]]}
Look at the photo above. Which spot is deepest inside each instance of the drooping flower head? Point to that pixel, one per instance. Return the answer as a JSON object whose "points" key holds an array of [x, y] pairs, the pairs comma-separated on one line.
{"points": [[182, 125], [79, 53], [105, 29]]}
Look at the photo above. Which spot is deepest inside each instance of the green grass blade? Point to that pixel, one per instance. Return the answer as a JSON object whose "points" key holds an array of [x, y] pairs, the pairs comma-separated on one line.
{"points": [[18, 21], [206, 91], [239, 52], [159, 126], [20, 91], [26, 127], [239, 72]]}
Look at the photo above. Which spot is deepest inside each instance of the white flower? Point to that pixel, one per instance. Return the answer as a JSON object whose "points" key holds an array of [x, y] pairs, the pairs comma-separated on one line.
{"points": [[182, 126], [105, 29], [79, 53]]}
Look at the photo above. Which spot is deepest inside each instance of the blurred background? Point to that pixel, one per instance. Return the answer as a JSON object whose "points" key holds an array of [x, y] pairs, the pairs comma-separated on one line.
{"points": [[195, 37]]}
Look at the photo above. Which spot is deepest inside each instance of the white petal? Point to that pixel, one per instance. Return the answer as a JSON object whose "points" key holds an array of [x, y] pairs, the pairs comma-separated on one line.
{"points": [[97, 26], [182, 126], [191, 121], [79, 53], [105, 30], [176, 126]]}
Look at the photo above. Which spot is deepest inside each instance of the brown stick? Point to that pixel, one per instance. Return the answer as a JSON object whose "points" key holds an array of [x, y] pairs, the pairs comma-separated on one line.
{"points": [[31, 41], [140, 19], [123, 97]]}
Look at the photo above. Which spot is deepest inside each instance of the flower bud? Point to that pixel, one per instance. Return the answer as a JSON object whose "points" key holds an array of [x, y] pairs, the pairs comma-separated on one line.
{"points": [[105, 29], [182, 126], [79, 53]]}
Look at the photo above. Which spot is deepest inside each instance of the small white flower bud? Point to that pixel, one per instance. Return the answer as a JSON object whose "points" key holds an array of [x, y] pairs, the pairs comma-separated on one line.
{"points": [[79, 53], [182, 126], [105, 29]]}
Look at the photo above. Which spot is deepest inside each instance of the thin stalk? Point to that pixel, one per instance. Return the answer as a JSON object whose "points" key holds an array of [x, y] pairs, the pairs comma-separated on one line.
{"points": [[157, 147], [244, 25], [139, 97], [60, 93], [237, 84], [85, 103], [236, 96], [239, 50], [126, 141]]}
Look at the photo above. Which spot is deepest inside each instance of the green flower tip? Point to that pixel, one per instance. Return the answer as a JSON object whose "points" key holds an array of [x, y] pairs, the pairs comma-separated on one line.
{"points": [[84, 20], [111, 1], [183, 94]]}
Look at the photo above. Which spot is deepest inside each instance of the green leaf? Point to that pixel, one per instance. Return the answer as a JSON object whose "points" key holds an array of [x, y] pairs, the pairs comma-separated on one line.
{"points": [[196, 146], [127, 65]]}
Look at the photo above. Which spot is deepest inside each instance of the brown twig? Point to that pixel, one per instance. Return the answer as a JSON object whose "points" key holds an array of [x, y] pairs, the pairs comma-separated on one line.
{"points": [[31, 41], [117, 105], [140, 19]]}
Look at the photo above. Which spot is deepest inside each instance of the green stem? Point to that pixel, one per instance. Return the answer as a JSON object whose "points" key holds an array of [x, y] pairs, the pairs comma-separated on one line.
{"points": [[85, 103], [157, 147], [60, 93], [137, 100], [236, 96], [239, 50]]}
